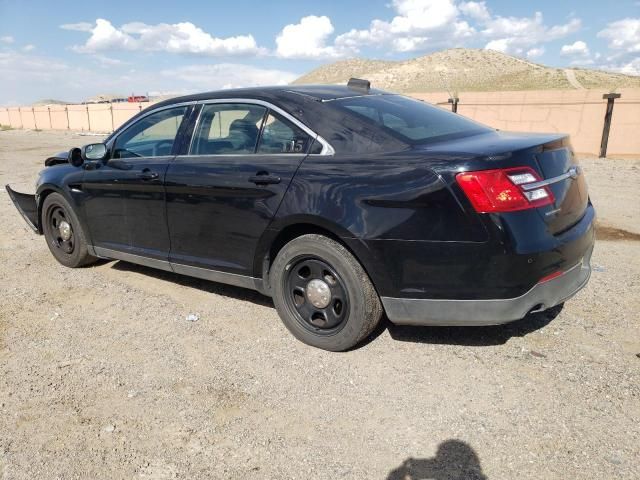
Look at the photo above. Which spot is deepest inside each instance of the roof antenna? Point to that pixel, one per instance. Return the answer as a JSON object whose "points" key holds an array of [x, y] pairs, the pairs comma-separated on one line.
{"points": [[359, 85]]}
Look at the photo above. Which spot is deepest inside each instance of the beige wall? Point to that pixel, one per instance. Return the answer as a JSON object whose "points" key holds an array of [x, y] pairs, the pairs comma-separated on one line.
{"points": [[58, 117], [99, 117], [580, 113]]}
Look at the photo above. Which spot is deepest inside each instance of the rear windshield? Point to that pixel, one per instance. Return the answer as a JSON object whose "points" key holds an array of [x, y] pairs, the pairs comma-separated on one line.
{"points": [[412, 120]]}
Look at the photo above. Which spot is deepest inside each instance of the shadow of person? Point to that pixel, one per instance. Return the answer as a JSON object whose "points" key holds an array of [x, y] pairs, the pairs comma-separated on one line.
{"points": [[454, 460]]}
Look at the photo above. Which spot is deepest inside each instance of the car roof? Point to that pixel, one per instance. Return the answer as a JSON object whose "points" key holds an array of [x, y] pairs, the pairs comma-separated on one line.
{"points": [[308, 104], [319, 93]]}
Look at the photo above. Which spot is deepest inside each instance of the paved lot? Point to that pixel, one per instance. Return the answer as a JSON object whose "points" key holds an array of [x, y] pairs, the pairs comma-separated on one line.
{"points": [[101, 376]]}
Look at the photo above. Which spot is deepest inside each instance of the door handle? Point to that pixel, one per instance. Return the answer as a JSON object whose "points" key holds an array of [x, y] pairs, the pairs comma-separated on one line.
{"points": [[263, 178], [147, 174]]}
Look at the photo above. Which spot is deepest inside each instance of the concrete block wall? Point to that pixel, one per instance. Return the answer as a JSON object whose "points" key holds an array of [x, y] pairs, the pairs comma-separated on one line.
{"points": [[579, 113]]}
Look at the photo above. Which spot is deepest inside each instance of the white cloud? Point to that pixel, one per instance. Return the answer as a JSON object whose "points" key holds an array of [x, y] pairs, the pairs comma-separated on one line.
{"points": [[421, 25], [78, 27], [576, 49], [228, 75], [535, 52], [630, 67], [28, 77], [25, 74], [418, 25], [422, 15], [307, 39], [623, 35], [184, 37], [515, 35], [476, 10], [8, 39], [106, 61], [28, 48]]}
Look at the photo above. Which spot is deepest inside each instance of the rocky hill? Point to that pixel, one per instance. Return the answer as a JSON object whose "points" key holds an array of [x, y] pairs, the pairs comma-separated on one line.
{"points": [[463, 69]]}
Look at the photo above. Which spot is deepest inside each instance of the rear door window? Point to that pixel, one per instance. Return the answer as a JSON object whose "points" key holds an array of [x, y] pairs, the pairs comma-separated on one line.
{"points": [[228, 128]]}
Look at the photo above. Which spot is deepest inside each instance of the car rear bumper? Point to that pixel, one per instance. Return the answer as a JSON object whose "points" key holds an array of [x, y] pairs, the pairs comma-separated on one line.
{"points": [[26, 205], [419, 311]]}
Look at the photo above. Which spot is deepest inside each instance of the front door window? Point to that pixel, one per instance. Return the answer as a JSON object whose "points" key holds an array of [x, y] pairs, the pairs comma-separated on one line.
{"points": [[151, 136]]}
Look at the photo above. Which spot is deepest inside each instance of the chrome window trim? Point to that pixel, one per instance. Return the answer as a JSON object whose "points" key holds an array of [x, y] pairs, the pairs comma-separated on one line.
{"points": [[327, 149], [292, 155], [573, 172], [327, 100]]}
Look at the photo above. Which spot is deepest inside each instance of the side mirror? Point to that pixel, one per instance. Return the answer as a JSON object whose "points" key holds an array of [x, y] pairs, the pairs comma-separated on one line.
{"points": [[75, 157], [94, 151]]}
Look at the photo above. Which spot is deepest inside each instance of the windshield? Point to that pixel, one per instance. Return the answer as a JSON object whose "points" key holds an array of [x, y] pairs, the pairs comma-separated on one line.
{"points": [[412, 120]]}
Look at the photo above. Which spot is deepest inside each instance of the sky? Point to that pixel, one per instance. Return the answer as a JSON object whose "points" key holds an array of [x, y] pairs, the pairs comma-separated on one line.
{"points": [[72, 49]]}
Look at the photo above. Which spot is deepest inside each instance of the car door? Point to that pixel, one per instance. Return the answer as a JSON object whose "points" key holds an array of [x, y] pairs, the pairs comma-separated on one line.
{"points": [[125, 198], [222, 195]]}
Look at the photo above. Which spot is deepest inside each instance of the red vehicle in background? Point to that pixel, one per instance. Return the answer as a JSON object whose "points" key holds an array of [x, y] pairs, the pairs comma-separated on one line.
{"points": [[137, 98]]}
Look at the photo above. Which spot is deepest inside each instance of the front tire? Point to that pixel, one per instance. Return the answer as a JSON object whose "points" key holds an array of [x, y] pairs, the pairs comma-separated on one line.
{"points": [[322, 293], [62, 230]]}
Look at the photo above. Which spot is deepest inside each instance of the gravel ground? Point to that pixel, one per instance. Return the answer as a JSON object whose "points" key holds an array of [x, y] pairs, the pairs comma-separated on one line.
{"points": [[102, 376]]}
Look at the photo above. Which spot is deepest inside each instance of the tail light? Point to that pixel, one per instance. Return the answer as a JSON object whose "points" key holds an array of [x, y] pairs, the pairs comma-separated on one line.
{"points": [[551, 276], [504, 190]]}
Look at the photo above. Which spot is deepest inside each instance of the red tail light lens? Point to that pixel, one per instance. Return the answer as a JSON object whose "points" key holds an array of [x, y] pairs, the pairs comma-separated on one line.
{"points": [[503, 190], [551, 276]]}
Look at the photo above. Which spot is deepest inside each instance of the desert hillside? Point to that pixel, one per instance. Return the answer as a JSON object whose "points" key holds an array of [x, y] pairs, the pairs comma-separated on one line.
{"points": [[463, 69]]}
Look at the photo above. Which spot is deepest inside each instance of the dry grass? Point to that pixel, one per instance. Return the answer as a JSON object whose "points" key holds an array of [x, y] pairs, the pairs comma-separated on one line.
{"points": [[462, 69]]}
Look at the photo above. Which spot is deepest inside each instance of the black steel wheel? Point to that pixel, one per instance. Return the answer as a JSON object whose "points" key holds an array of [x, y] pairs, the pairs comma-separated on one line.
{"points": [[64, 234], [317, 294], [62, 231], [322, 293]]}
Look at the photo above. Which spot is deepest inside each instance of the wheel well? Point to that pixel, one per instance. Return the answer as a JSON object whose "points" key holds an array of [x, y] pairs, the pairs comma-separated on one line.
{"points": [[294, 231], [289, 233], [42, 196]]}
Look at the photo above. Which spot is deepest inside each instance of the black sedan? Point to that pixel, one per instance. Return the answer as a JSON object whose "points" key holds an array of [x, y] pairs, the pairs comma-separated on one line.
{"points": [[341, 202]]}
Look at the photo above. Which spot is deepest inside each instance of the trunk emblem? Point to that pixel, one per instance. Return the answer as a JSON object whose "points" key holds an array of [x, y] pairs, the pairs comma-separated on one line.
{"points": [[573, 172]]}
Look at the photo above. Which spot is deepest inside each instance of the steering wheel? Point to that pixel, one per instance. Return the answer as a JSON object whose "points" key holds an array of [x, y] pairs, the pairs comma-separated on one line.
{"points": [[124, 153]]}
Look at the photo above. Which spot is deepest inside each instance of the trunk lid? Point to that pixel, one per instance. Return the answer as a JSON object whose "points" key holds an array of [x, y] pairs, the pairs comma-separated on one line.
{"points": [[557, 164], [550, 155]]}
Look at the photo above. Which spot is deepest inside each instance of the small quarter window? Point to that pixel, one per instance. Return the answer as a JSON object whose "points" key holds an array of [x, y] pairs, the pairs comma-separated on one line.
{"points": [[316, 148], [280, 136]]}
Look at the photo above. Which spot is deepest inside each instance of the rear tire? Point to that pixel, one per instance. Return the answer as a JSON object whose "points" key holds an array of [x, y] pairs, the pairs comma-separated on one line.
{"points": [[322, 293], [62, 230]]}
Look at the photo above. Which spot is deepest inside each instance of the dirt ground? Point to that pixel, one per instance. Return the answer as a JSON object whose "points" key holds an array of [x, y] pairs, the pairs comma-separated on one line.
{"points": [[102, 376]]}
